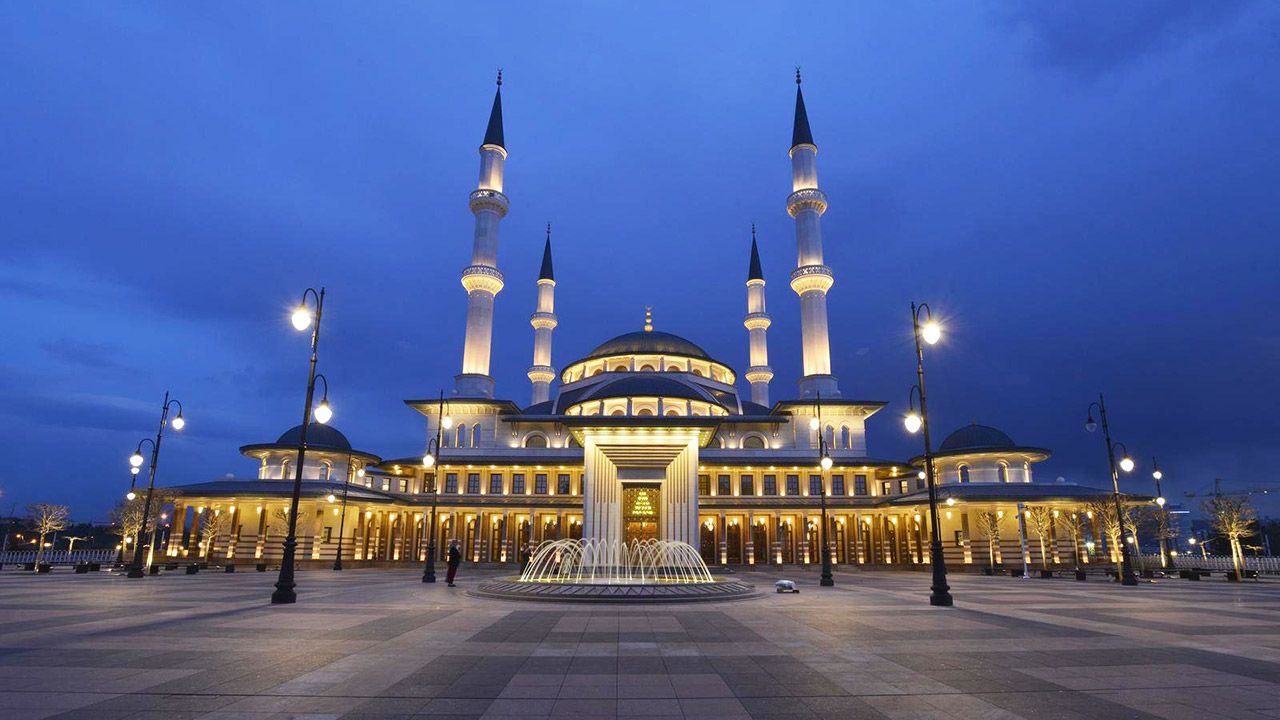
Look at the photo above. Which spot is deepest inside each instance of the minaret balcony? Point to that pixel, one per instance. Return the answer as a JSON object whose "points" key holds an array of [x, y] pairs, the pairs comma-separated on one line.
{"points": [[758, 374], [807, 199], [541, 374], [489, 200], [483, 278], [543, 321], [808, 278], [757, 321]]}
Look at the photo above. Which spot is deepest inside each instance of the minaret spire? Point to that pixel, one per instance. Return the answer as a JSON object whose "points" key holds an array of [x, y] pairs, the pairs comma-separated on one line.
{"points": [[811, 279], [543, 321], [757, 323], [482, 279]]}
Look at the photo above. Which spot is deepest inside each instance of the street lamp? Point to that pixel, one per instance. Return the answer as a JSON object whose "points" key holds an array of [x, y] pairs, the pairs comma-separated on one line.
{"points": [[824, 461], [303, 318], [135, 462], [1126, 463], [429, 461], [1160, 502], [929, 332], [342, 520]]}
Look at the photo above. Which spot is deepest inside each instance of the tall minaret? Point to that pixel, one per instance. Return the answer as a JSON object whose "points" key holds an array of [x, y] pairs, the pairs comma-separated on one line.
{"points": [[544, 321], [811, 279], [757, 323], [481, 278]]}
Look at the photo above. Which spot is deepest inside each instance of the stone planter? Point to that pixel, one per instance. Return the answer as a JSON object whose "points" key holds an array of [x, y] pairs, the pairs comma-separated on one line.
{"points": [[81, 568], [261, 567], [43, 568], [229, 568], [1081, 575], [193, 569]]}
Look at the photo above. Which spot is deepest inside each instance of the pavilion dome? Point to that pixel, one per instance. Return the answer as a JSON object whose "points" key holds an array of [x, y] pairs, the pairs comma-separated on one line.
{"points": [[319, 437], [976, 437], [653, 342]]}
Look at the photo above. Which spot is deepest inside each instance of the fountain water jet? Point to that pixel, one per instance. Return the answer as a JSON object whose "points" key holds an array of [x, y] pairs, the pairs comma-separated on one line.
{"points": [[616, 562]]}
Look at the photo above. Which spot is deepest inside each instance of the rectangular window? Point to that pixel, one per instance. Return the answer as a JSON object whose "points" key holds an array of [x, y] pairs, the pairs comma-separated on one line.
{"points": [[517, 484], [920, 483], [904, 486], [886, 487], [429, 482], [368, 482], [837, 485], [495, 484], [404, 485], [704, 484], [959, 538], [815, 485], [386, 485], [793, 484], [722, 485], [859, 484], [451, 483], [747, 485], [562, 484], [540, 484], [328, 534], [473, 483], [770, 484]]}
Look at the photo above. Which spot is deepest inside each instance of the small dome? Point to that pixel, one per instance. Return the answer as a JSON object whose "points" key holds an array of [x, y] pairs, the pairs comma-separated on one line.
{"points": [[653, 342], [976, 437], [319, 437]]}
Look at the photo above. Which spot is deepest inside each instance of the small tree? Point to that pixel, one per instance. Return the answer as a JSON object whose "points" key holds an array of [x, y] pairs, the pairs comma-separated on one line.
{"points": [[1104, 515], [1040, 521], [47, 518], [126, 516], [212, 524], [988, 523], [1074, 522], [1232, 518]]}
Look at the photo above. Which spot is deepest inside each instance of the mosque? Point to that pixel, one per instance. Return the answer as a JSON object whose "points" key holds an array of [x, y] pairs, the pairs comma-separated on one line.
{"points": [[646, 436]]}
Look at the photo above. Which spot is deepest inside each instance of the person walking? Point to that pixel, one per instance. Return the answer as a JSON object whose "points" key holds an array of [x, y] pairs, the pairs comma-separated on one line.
{"points": [[455, 559]]}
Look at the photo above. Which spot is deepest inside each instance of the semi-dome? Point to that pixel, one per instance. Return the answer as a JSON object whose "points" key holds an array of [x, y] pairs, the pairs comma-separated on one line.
{"points": [[652, 342], [976, 437], [319, 437]]}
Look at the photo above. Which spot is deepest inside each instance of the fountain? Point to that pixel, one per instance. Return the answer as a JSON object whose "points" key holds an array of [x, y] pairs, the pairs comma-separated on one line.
{"points": [[602, 570]]}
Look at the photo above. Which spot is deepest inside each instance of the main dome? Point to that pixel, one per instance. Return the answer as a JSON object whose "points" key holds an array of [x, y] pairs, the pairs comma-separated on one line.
{"points": [[653, 342], [976, 437]]}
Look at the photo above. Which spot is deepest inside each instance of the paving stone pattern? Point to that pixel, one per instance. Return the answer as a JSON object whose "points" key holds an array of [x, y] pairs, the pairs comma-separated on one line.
{"points": [[378, 644]]}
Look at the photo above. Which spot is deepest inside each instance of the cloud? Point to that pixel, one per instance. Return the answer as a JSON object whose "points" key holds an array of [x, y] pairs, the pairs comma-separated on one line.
{"points": [[98, 356], [1093, 37]]}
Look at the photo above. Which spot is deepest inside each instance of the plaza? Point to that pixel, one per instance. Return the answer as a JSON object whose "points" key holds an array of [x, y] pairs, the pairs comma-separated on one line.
{"points": [[380, 644]]}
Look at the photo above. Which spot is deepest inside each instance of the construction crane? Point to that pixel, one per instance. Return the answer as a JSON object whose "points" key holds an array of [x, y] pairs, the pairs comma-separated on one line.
{"points": [[1217, 491]]}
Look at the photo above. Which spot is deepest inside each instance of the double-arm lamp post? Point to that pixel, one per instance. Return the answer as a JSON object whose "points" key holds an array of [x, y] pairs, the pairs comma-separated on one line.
{"points": [[429, 463], [1126, 463], [928, 331], [342, 520], [135, 461], [824, 461], [304, 317], [1163, 528]]}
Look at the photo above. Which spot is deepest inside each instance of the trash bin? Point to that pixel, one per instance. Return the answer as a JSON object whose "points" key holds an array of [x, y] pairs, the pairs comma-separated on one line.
{"points": [[1082, 576], [229, 568], [193, 569], [261, 567], [81, 568]]}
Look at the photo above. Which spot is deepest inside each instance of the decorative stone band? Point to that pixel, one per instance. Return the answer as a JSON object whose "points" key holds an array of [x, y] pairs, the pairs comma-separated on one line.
{"points": [[757, 321], [503, 151], [483, 278], [490, 200], [546, 281], [540, 320], [758, 374], [807, 278], [807, 199], [755, 281], [541, 373], [802, 146]]}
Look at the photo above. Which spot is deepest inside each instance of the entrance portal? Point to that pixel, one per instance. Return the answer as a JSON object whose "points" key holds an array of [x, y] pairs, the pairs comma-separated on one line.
{"points": [[640, 512]]}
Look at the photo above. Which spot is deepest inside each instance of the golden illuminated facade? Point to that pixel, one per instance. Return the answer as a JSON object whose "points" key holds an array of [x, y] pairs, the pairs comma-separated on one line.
{"points": [[646, 436]]}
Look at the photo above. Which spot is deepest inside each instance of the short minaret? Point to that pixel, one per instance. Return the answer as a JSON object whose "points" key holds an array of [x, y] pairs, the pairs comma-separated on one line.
{"points": [[544, 321], [811, 279], [481, 278], [757, 323]]}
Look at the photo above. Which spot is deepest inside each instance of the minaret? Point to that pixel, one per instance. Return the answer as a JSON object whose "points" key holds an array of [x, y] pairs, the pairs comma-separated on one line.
{"points": [[544, 321], [811, 279], [481, 278], [757, 323]]}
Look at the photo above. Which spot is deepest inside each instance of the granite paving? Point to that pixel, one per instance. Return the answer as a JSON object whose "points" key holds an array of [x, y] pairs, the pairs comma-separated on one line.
{"points": [[381, 645]]}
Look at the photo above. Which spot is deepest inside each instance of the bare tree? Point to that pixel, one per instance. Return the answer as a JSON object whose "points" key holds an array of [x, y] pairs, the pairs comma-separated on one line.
{"points": [[1074, 522], [47, 518], [1232, 518], [213, 522], [1104, 514], [126, 516], [987, 522], [1040, 521]]}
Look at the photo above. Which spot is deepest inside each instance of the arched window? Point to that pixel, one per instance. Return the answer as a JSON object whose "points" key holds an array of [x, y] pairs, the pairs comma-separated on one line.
{"points": [[620, 368], [1026, 472], [460, 438], [284, 469], [647, 368], [644, 411], [475, 436], [1002, 473], [672, 411], [326, 470], [846, 438], [753, 442], [964, 473], [618, 411], [535, 441], [697, 372], [831, 437], [597, 371], [721, 443]]}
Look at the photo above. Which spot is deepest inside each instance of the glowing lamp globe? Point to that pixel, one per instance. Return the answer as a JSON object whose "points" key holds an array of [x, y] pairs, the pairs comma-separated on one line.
{"points": [[134, 470], [1157, 474], [921, 475], [136, 459], [331, 497], [912, 422], [178, 422], [813, 423], [1126, 464], [131, 495], [826, 463], [951, 502], [323, 412], [360, 473], [1160, 501], [447, 422], [301, 318], [931, 332], [428, 460]]}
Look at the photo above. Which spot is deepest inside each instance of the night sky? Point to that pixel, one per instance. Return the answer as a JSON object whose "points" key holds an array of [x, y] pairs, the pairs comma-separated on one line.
{"points": [[1087, 193]]}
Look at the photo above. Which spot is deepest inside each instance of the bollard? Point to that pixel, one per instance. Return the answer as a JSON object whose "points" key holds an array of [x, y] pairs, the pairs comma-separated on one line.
{"points": [[229, 568]]}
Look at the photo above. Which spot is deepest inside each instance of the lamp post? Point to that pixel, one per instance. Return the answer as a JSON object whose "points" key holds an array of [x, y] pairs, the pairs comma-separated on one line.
{"points": [[928, 332], [342, 520], [1163, 527], [430, 461], [824, 461], [1126, 464], [136, 460], [303, 318]]}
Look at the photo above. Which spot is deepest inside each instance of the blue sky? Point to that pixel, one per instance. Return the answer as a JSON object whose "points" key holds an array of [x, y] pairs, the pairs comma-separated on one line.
{"points": [[1086, 192]]}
